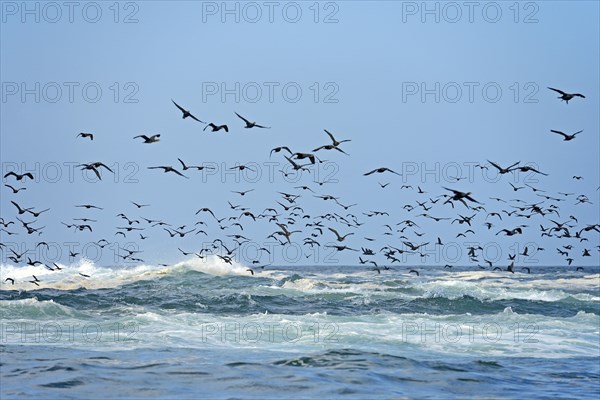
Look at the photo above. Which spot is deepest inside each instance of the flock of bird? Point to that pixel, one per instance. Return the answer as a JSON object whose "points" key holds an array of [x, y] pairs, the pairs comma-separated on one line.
{"points": [[339, 230]]}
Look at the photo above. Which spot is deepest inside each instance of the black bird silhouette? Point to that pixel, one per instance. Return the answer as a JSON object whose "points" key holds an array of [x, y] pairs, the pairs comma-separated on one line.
{"points": [[278, 149], [37, 214], [339, 237], [302, 156], [527, 168], [168, 168], [567, 138], [509, 232], [94, 167], [567, 96], [380, 171], [242, 193], [216, 128], [149, 139], [501, 170], [205, 209], [185, 112], [250, 124], [297, 167], [86, 135], [330, 147], [20, 209], [242, 167], [18, 176], [333, 141], [15, 191], [459, 196], [88, 206]]}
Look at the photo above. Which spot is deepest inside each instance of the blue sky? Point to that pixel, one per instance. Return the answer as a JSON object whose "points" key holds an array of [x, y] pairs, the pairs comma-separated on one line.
{"points": [[353, 72]]}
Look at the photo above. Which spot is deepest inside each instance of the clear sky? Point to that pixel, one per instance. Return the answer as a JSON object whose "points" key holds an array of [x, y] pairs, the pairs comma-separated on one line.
{"points": [[427, 89]]}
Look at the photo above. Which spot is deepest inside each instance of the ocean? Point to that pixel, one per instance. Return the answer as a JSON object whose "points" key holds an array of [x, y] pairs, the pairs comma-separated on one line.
{"points": [[206, 329]]}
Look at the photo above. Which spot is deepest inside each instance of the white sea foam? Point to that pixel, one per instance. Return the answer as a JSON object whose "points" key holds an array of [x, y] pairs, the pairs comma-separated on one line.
{"points": [[69, 277]]}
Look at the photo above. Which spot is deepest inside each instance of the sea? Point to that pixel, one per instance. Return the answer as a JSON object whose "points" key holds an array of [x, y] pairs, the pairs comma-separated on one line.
{"points": [[204, 329]]}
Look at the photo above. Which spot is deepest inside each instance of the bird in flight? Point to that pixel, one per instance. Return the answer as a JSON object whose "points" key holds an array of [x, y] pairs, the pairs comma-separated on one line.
{"points": [[242, 193], [302, 156], [216, 128], [330, 147], [250, 124], [278, 149], [527, 168], [459, 196], [88, 206], [567, 138], [297, 167], [380, 171], [94, 167], [168, 168], [567, 96], [338, 236], [198, 167], [15, 191], [501, 170], [20, 209], [86, 135], [149, 139], [242, 167], [185, 112], [333, 141], [516, 188], [285, 232], [18, 176], [510, 232]]}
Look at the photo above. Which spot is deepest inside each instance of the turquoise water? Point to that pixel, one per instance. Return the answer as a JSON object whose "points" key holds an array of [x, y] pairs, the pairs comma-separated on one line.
{"points": [[210, 330]]}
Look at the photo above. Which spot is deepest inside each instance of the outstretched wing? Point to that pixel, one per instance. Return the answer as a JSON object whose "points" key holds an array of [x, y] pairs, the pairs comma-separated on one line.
{"points": [[495, 165], [178, 106], [197, 119], [103, 165], [371, 172], [244, 119], [178, 173], [557, 90], [330, 135], [560, 133], [97, 173]]}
